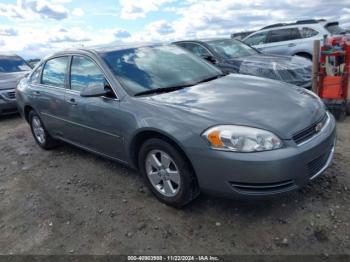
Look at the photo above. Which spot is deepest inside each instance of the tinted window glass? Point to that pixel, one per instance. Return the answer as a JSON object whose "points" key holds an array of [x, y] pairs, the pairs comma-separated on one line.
{"points": [[229, 48], [85, 73], [55, 72], [197, 49], [10, 64], [147, 68], [35, 78], [257, 39], [280, 35], [308, 32], [335, 29]]}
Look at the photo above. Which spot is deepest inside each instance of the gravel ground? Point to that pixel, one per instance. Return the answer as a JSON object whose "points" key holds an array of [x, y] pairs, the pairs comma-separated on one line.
{"points": [[67, 201]]}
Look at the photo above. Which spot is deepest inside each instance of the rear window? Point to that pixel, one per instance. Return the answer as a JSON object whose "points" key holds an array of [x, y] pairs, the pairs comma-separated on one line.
{"points": [[286, 34], [307, 32], [11, 64], [54, 73], [335, 29]]}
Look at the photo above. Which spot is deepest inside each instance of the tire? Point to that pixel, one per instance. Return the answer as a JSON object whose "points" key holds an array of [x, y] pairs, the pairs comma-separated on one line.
{"points": [[348, 108], [185, 184], [47, 142]]}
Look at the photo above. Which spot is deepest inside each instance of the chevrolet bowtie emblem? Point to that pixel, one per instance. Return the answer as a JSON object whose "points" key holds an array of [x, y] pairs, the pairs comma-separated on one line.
{"points": [[318, 127]]}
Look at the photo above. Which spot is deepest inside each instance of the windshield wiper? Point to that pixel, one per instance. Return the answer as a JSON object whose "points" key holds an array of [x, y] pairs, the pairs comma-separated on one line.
{"points": [[163, 89], [211, 78], [177, 87]]}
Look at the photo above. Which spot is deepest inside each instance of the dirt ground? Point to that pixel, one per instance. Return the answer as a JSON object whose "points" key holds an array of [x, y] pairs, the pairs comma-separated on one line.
{"points": [[67, 201]]}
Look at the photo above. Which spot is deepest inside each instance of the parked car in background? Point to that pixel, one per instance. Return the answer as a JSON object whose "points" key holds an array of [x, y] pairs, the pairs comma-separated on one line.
{"points": [[12, 69], [33, 62], [186, 126], [293, 38], [241, 35], [233, 56]]}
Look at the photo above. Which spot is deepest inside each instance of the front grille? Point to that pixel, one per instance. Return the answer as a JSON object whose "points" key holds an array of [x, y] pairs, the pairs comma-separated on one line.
{"points": [[317, 164], [309, 132], [11, 95], [263, 188]]}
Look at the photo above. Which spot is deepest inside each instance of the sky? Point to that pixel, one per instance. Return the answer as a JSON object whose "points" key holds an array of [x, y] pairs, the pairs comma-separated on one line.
{"points": [[34, 28]]}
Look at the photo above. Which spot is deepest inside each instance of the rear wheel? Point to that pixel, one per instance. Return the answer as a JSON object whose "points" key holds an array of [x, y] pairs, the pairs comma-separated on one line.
{"points": [[167, 173], [39, 132]]}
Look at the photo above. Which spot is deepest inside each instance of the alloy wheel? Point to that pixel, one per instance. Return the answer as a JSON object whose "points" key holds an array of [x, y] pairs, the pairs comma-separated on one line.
{"points": [[38, 130], [163, 173]]}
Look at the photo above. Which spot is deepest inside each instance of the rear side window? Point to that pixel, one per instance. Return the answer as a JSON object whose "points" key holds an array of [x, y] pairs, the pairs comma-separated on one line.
{"points": [[257, 39], [85, 73], [307, 32], [54, 73], [35, 78], [286, 34]]}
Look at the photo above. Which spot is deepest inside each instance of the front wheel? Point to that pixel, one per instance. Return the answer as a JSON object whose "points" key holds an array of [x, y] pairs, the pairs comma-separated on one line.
{"points": [[41, 136], [167, 173]]}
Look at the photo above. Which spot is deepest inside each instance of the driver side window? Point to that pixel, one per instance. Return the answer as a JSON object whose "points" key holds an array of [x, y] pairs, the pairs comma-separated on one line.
{"points": [[85, 73]]}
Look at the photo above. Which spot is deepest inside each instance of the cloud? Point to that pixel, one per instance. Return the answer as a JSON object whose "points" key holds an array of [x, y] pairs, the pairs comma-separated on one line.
{"points": [[78, 12], [47, 9], [207, 18], [43, 9], [161, 27], [68, 36], [188, 19], [133, 9], [8, 31], [121, 33]]}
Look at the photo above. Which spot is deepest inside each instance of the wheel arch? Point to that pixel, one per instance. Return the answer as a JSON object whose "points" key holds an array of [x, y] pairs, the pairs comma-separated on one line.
{"points": [[145, 134], [304, 54], [26, 110]]}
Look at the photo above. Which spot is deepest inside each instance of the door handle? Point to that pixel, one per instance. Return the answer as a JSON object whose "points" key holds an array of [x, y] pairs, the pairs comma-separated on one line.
{"points": [[72, 102], [36, 93]]}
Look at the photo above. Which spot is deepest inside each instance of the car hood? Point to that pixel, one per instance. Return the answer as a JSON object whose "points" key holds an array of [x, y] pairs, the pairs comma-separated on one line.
{"points": [[245, 100], [10, 80], [291, 69]]}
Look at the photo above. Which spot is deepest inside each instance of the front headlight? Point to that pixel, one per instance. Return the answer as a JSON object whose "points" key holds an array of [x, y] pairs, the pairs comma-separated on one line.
{"points": [[241, 139]]}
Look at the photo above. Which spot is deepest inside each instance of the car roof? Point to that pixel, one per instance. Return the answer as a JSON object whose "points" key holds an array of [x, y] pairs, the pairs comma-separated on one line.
{"points": [[104, 48], [204, 40]]}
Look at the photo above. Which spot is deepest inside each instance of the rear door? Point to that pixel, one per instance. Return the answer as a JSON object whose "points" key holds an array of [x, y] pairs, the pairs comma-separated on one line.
{"points": [[93, 122], [47, 90]]}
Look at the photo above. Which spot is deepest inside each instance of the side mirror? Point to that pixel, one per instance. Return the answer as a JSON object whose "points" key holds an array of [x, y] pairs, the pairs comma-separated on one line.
{"points": [[209, 58], [95, 90]]}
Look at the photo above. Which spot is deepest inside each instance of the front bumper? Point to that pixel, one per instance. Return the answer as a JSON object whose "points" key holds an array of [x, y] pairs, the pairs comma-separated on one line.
{"points": [[232, 174], [8, 103]]}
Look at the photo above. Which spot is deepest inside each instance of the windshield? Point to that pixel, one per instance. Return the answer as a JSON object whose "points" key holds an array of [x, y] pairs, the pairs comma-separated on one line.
{"points": [[12, 64], [335, 29], [230, 48], [147, 68]]}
